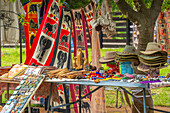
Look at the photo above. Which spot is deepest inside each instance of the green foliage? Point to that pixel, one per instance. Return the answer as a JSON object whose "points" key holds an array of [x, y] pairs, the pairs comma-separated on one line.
{"points": [[22, 19], [166, 5], [77, 4], [11, 0], [61, 2], [148, 3], [99, 4]]}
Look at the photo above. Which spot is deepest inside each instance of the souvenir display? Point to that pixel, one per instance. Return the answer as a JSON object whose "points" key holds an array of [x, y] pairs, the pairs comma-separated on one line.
{"points": [[109, 57], [79, 62], [4, 70], [24, 91], [152, 59], [49, 58], [65, 73], [16, 70], [129, 54]]}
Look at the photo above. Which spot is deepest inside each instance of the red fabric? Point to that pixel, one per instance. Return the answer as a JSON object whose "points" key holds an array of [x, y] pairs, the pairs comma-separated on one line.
{"points": [[41, 32], [31, 27]]}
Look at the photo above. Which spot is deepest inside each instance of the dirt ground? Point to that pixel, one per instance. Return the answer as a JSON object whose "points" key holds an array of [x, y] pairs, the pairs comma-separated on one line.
{"points": [[121, 110]]}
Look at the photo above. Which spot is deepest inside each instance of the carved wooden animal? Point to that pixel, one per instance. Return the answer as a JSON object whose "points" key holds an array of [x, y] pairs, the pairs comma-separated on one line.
{"points": [[79, 60], [74, 62]]}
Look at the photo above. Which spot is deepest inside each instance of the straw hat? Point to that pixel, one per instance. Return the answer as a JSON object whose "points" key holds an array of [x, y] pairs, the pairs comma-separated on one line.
{"points": [[153, 58], [109, 57], [152, 48], [145, 68], [128, 50]]}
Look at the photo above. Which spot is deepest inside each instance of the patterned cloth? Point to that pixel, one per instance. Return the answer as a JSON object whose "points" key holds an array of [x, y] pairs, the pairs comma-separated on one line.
{"points": [[44, 42], [164, 31], [9, 20], [44, 90], [31, 28], [158, 85], [3, 87]]}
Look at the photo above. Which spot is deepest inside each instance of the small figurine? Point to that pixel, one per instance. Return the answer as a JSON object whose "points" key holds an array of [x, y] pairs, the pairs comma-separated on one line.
{"points": [[74, 62], [79, 62], [79, 59]]}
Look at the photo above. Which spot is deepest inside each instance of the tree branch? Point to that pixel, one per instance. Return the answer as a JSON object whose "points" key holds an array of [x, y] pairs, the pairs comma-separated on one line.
{"points": [[140, 5], [156, 8], [127, 10]]}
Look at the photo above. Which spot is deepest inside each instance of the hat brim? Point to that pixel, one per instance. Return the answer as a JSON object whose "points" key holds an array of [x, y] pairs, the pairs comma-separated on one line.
{"points": [[152, 57], [119, 53], [145, 68], [126, 56], [103, 61], [152, 52], [153, 64]]}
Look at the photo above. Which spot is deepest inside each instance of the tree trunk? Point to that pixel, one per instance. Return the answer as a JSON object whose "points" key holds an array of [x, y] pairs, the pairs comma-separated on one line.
{"points": [[146, 34]]}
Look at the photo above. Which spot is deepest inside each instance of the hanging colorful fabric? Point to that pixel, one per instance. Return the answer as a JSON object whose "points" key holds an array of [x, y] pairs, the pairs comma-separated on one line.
{"points": [[45, 39], [63, 42], [163, 32], [31, 28], [89, 16], [80, 41]]}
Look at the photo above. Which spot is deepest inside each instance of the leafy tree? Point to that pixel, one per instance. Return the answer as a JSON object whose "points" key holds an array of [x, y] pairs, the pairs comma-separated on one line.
{"points": [[144, 14]]}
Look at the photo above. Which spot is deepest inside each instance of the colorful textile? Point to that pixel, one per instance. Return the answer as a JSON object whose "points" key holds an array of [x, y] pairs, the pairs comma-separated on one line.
{"points": [[51, 46], [9, 12], [80, 41], [164, 31], [44, 42], [89, 16], [80, 31], [158, 85], [3, 87], [63, 42], [31, 28], [44, 90]]}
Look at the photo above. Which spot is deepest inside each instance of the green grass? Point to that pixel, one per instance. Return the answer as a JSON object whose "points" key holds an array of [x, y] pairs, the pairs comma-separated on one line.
{"points": [[162, 97], [12, 56], [3, 95]]}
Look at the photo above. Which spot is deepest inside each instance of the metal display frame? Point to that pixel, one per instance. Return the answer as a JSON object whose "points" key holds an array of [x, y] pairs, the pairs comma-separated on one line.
{"points": [[92, 83]]}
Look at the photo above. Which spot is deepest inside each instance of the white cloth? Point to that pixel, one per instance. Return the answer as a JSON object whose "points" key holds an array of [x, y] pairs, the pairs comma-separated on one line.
{"points": [[9, 24]]}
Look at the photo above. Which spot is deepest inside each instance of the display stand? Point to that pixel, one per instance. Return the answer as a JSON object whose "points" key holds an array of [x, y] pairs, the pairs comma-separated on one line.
{"points": [[100, 85]]}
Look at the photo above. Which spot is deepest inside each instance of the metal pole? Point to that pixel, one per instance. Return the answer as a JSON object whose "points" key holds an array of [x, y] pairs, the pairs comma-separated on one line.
{"points": [[66, 98], [144, 100], [49, 98], [79, 98], [128, 32], [7, 91], [20, 41], [29, 107]]}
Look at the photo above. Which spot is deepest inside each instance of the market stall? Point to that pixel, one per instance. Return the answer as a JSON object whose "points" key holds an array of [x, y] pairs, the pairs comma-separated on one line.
{"points": [[50, 63]]}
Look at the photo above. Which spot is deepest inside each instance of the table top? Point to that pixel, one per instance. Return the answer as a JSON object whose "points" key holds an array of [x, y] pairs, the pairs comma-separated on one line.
{"points": [[87, 82], [101, 83]]}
